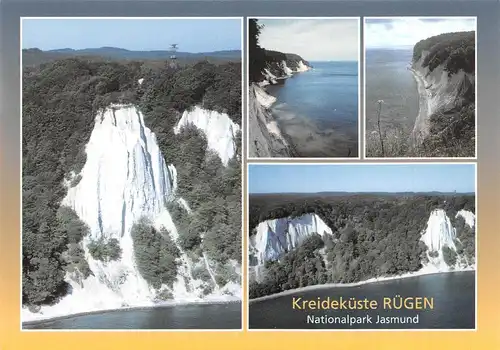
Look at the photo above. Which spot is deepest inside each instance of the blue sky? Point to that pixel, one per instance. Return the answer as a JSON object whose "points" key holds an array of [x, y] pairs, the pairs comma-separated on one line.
{"points": [[405, 32], [361, 178], [192, 35]]}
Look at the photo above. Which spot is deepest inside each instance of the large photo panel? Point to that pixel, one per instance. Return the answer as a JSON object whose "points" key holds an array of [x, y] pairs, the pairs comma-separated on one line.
{"points": [[362, 246], [131, 151]]}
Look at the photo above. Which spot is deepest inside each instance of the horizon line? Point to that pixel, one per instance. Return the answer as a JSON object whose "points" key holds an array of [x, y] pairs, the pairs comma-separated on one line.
{"points": [[333, 60], [121, 48], [390, 47]]}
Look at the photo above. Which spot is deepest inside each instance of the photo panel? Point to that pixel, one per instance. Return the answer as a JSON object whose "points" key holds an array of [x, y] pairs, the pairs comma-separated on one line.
{"points": [[304, 82], [362, 246], [420, 87], [132, 173]]}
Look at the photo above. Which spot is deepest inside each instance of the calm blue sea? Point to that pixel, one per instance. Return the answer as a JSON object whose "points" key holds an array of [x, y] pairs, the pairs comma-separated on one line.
{"points": [[318, 109], [202, 316], [453, 293], [388, 79]]}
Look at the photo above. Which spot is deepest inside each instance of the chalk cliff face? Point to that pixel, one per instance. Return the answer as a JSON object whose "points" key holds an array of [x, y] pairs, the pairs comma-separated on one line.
{"points": [[440, 92], [282, 66], [126, 177], [124, 165], [440, 234], [266, 138], [278, 236], [469, 217], [219, 129]]}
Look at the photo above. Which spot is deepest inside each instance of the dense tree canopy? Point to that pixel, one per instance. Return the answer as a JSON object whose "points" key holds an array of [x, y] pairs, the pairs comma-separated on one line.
{"points": [[105, 250], [457, 51], [155, 253], [256, 54]]}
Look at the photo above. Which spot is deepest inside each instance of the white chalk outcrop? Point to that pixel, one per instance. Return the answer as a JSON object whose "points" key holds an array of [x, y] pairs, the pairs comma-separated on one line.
{"points": [[263, 98], [125, 177], [265, 136], [440, 233], [270, 78], [302, 67], [278, 236], [281, 70], [438, 92], [219, 129], [469, 217], [286, 69]]}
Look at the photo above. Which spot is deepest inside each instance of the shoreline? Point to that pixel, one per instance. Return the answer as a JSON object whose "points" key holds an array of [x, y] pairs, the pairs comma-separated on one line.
{"points": [[272, 125], [282, 79], [422, 272], [128, 308], [420, 128]]}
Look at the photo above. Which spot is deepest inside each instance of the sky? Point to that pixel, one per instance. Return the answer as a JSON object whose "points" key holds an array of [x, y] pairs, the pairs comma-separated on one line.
{"points": [[311, 178], [407, 31], [312, 39], [192, 35]]}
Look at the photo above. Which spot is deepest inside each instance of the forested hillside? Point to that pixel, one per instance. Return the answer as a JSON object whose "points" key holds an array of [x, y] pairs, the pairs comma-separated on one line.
{"points": [[36, 56], [373, 235], [61, 99], [456, 51]]}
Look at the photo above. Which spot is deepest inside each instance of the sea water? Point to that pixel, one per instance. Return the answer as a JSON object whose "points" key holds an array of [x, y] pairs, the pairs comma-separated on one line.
{"points": [[318, 109]]}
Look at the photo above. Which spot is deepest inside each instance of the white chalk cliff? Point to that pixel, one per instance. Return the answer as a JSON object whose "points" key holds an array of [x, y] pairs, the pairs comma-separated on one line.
{"points": [[219, 129], [438, 92], [280, 70], [440, 233], [124, 165], [469, 217], [266, 137], [277, 236], [126, 177]]}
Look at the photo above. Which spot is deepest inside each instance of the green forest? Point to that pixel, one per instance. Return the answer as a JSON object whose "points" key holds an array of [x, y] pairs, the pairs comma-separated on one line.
{"points": [[373, 235], [456, 51], [60, 101]]}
